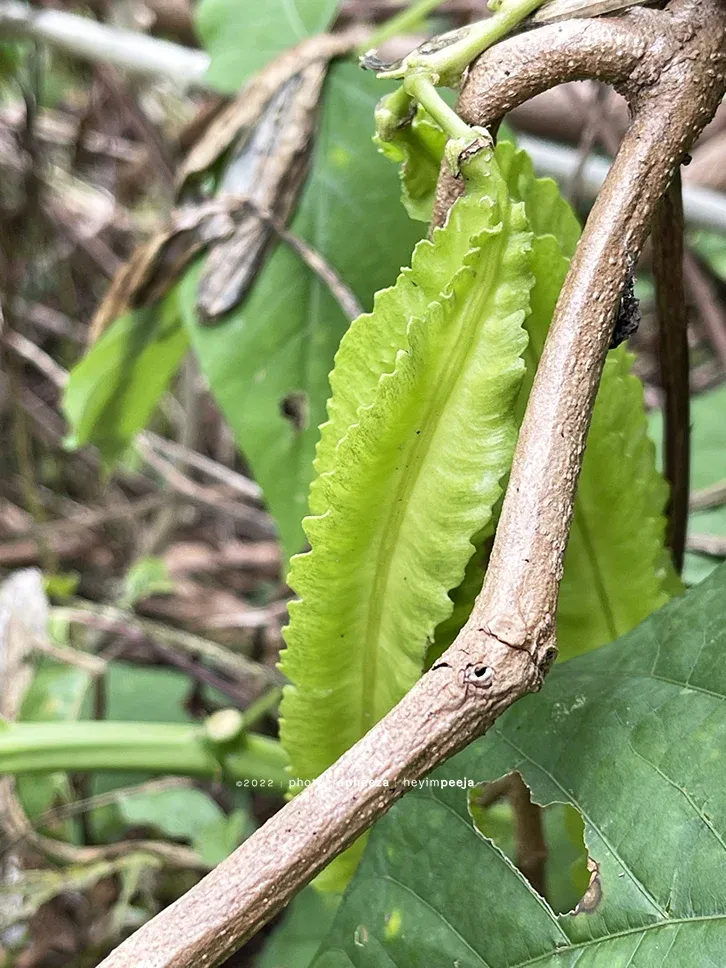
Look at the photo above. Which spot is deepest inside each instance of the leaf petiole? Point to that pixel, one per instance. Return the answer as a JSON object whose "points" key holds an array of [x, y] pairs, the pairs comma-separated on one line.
{"points": [[464, 142]]}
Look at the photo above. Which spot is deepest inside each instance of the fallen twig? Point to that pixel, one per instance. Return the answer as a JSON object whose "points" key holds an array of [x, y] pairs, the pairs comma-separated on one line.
{"points": [[108, 618], [246, 488], [707, 544], [257, 523]]}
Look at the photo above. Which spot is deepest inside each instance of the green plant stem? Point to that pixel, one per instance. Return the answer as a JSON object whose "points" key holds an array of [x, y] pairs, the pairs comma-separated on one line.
{"points": [[422, 89], [407, 20], [260, 707], [452, 61], [158, 748], [422, 71]]}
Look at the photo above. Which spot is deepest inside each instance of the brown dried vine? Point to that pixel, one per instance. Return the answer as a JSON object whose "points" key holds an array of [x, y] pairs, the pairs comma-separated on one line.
{"points": [[672, 67]]}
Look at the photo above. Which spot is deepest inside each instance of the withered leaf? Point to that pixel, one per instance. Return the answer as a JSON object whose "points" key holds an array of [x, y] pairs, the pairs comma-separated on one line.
{"points": [[156, 265], [240, 117], [268, 129], [269, 169]]}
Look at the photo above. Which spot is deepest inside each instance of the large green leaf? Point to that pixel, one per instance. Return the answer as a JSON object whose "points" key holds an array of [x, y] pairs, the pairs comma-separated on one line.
{"points": [[241, 36], [279, 345], [307, 921], [632, 735], [412, 480], [113, 391]]}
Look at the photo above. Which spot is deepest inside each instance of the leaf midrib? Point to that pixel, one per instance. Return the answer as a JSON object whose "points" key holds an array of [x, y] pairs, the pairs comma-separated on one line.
{"points": [[417, 451], [642, 929]]}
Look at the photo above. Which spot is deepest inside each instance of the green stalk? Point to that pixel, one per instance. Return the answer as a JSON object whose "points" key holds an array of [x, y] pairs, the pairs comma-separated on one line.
{"points": [[157, 748], [421, 88], [423, 70], [452, 61], [260, 707]]}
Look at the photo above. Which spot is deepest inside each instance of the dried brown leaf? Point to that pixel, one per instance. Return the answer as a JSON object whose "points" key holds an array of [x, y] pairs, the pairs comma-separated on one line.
{"points": [[157, 264], [269, 169], [241, 116]]}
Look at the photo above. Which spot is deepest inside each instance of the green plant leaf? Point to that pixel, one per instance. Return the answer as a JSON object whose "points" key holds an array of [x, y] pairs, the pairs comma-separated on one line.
{"points": [[56, 694], [711, 247], [217, 840], [632, 735], [187, 814], [148, 576], [242, 36], [180, 813], [616, 568], [278, 346], [113, 391], [307, 920], [135, 694], [419, 148], [414, 477], [547, 210]]}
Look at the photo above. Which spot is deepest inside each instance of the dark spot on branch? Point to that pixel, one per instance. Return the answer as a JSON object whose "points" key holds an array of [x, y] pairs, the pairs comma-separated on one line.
{"points": [[628, 318]]}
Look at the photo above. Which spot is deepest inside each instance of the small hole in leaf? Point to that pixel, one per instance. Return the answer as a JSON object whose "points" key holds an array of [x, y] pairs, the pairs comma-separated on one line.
{"points": [[546, 843], [294, 407]]}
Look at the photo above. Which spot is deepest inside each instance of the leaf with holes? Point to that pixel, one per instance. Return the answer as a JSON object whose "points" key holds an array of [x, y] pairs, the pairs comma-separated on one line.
{"points": [[632, 735], [409, 468], [267, 363]]}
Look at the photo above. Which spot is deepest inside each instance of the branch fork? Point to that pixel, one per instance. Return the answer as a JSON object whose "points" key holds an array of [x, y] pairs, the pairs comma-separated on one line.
{"points": [[672, 65]]}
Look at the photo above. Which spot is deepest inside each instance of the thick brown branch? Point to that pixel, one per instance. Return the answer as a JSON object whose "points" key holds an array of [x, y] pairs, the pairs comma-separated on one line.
{"points": [[667, 238], [509, 642]]}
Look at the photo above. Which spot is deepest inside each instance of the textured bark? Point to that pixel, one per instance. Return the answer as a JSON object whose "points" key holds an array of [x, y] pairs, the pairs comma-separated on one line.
{"points": [[675, 83]]}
